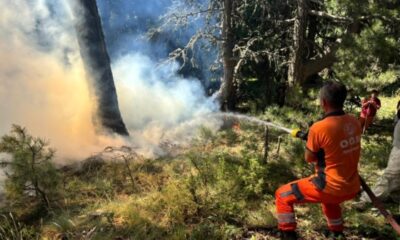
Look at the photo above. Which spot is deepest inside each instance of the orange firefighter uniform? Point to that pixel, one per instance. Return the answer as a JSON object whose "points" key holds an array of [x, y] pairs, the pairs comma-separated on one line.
{"points": [[335, 141]]}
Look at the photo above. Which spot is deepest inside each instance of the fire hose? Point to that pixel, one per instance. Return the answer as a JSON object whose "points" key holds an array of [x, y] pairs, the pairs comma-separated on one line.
{"points": [[297, 133], [379, 205]]}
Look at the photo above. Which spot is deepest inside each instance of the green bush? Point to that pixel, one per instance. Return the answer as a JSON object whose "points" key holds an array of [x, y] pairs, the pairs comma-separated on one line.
{"points": [[31, 174], [252, 175], [206, 230]]}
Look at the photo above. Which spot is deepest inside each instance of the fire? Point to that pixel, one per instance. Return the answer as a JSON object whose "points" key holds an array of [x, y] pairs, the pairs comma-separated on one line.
{"points": [[236, 126]]}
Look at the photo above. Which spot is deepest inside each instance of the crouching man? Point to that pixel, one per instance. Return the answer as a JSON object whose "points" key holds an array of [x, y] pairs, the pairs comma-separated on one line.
{"points": [[333, 145]]}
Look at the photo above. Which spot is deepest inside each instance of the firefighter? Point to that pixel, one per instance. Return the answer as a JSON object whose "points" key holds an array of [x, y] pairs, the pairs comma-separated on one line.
{"points": [[333, 145]]}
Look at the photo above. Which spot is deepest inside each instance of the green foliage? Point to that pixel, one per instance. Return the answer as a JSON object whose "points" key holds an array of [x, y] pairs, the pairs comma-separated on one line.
{"points": [[216, 189], [252, 175], [369, 59], [177, 203], [231, 137], [206, 135], [376, 150], [207, 230], [63, 225], [11, 229], [294, 117], [295, 96], [31, 173], [261, 216]]}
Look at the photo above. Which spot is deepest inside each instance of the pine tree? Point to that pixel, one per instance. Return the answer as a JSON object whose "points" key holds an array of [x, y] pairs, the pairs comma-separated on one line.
{"points": [[31, 174]]}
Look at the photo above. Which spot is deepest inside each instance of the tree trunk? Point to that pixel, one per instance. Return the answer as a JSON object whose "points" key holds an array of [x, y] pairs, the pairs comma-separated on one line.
{"points": [[35, 181], [295, 74], [301, 67], [228, 88], [97, 63]]}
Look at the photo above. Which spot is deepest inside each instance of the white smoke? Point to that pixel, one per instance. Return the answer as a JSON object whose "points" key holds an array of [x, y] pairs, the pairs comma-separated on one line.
{"points": [[158, 105], [42, 80], [43, 87]]}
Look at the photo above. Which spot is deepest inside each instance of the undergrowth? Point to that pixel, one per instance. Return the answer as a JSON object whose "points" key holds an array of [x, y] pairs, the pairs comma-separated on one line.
{"points": [[222, 187]]}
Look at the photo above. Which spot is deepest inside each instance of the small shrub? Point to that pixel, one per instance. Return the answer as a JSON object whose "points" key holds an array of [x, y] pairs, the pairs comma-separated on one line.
{"points": [[30, 171], [231, 137], [177, 203], [253, 175]]}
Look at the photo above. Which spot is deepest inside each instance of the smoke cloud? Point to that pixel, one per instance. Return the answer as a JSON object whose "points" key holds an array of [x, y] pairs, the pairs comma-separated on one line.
{"points": [[43, 87], [159, 106], [42, 78]]}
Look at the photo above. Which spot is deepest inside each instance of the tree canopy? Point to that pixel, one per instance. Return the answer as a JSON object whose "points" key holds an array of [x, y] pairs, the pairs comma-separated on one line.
{"points": [[269, 47]]}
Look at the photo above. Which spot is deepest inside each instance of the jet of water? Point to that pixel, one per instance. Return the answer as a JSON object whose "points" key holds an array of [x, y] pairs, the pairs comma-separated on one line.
{"points": [[259, 122]]}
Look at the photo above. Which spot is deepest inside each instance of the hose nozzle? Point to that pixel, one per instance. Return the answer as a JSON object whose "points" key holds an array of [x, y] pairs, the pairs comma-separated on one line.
{"points": [[297, 133], [294, 132]]}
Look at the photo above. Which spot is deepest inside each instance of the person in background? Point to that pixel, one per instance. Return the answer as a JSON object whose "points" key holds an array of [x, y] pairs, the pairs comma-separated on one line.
{"points": [[369, 108], [388, 185], [397, 116]]}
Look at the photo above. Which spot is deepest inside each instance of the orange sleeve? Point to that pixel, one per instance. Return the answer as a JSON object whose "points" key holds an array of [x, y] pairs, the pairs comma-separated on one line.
{"points": [[313, 144]]}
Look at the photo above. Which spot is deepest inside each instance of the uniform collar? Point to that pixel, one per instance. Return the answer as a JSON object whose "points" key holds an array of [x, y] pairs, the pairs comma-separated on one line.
{"points": [[335, 113]]}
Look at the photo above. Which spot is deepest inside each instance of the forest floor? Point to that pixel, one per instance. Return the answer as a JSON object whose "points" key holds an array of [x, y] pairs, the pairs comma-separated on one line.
{"points": [[222, 187]]}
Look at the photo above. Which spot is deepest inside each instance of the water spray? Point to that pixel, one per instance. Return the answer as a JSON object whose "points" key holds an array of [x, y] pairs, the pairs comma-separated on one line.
{"points": [[255, 120], [296, 133]]}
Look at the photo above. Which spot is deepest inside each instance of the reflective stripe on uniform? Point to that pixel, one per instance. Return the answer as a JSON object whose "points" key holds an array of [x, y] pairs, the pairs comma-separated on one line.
{"points": [[335, 222], [285, 194], [286, 218]]}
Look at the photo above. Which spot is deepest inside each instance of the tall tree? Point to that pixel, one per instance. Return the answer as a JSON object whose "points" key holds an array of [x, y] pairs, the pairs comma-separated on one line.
{"points": [[304, 61], [228, 87], [252, 39], [97, 62], [296, 74]]}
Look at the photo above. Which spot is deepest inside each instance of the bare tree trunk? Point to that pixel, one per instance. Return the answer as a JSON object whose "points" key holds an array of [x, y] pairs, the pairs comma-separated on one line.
{"points": [[97, 63], [228, 88], [295, 75]]}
